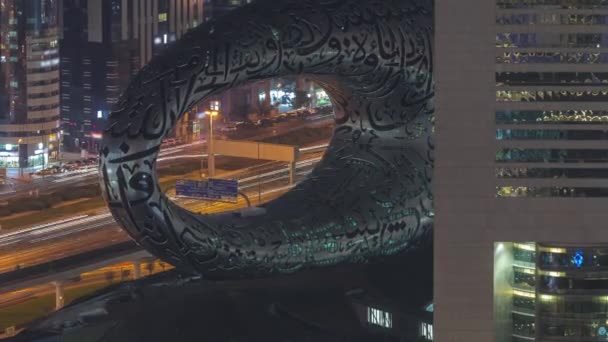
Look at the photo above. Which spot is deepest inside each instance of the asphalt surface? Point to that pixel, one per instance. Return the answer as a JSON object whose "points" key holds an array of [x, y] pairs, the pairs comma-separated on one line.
{"points": [[81, 233], [74, 236], [19, 187], [40, 244]]}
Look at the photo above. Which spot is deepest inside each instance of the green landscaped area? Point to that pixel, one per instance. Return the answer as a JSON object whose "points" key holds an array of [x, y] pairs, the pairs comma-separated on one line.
{"points": [[32, 309]]}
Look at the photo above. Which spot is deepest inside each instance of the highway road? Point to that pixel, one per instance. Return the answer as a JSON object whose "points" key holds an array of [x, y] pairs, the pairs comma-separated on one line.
{"points": [[88, 175], [79, 234], [82, 233]]}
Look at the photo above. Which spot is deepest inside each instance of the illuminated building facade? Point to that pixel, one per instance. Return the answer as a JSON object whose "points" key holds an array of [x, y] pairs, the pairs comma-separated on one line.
{"points": [[552, 292], [572, 292], [157, 23], [103, 45], [29, 83], [521, 140]]}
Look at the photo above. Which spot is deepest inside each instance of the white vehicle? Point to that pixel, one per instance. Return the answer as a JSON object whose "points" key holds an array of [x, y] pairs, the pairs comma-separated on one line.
{"points": [[228, 129], [168, 142]]}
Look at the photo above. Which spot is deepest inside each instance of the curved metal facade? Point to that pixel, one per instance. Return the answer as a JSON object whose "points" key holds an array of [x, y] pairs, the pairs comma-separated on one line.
{"points": [[370, 195]]}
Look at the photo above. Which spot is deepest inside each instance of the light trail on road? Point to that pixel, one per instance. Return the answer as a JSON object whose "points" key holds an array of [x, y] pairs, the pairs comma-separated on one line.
{"points": [[9, 236], [95, 220], [76, 235], [87, 176]]}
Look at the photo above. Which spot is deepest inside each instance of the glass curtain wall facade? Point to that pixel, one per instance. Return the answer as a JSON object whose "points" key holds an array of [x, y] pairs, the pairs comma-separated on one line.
{"points": [[557, 292], [572, 292], [104, 44], [29, 83], [521, 155]]}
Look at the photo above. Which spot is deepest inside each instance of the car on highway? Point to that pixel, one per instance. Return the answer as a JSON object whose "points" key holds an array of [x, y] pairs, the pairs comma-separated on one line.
{"points": [[229, 128], [281, 118], [168, 143], [49, 171], [58, 168], [73, 165], [245, 125], [91, 161], [303, 113], [70, 167], [265, 123], [45, 172]]}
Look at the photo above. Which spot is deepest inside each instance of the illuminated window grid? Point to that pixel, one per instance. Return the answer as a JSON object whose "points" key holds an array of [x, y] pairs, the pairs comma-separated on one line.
{"points": [[576, 101]]}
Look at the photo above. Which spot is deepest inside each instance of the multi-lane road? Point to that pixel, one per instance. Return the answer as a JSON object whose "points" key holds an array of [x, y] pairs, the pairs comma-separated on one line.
{"points": [[73, 236], [82, 233], [67, 237], [88, 174], [167, 156]]}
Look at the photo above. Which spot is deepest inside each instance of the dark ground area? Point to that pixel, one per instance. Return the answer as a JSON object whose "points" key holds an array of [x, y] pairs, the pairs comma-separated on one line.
{"points": [[328, 304]]}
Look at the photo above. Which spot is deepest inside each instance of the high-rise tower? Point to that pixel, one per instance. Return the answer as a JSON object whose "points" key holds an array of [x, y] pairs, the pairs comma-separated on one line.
{"points": [[29, 82], [521, 173], [105, 42]]}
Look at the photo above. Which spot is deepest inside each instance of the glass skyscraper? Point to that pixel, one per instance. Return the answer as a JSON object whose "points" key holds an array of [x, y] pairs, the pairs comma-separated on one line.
{"points": [[29, 82], [103, 45]]}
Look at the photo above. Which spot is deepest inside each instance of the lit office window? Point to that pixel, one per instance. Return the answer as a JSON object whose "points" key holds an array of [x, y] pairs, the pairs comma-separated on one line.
{"points": [[379, 317], [162, 17], [426, 331], [551, 117], [555, 191], [551, 18], [552, 96], [549, 40], [551, 78], [553, 173], [552, 155], [551, 4], [517, 57], [550, 134]]}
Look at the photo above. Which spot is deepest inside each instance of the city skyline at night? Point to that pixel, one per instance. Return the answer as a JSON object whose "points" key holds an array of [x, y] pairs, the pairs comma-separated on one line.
{"points": [[294, 170]]}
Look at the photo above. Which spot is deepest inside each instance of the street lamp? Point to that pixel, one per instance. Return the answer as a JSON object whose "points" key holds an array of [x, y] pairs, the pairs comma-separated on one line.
{"points": [[210, 153], [60, 144], [19, 156]]}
